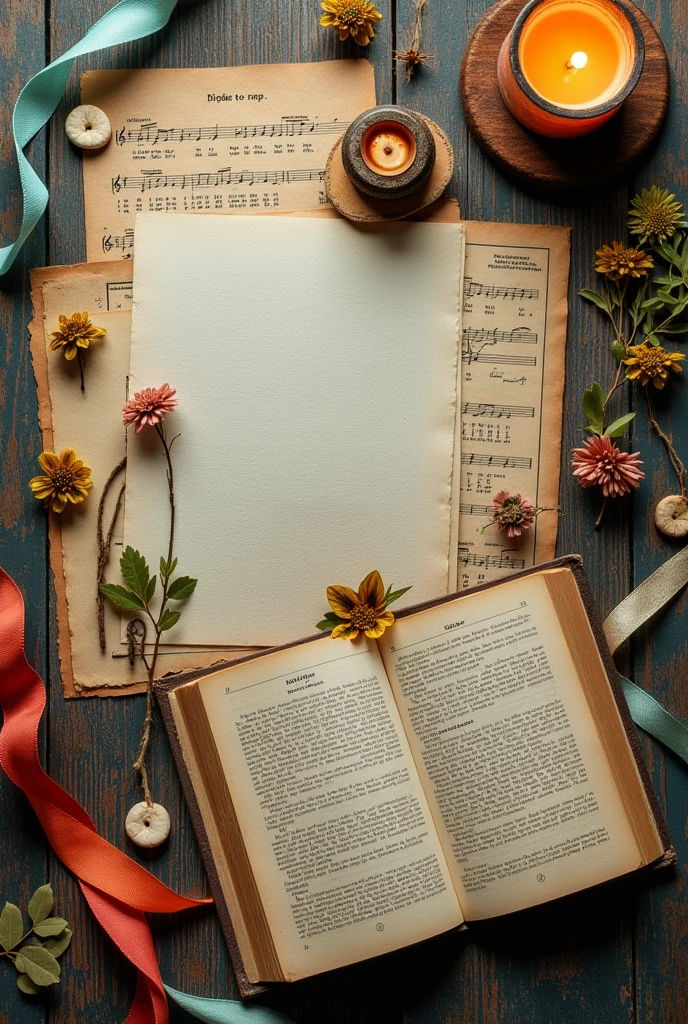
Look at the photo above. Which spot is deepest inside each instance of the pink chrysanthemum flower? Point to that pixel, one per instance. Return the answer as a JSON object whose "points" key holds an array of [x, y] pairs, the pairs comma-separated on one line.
{"points": [[600, 463], [149, 407], [512, 513]]}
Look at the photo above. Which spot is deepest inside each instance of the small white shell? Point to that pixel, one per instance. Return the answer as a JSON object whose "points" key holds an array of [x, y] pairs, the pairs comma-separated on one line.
{"points": [[671, 516], [88, 127], [147, 826]]}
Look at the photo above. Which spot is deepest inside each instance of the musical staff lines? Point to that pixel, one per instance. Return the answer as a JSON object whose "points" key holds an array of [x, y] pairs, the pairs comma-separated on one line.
{"points": [[476, 510], [123, 242], [150, 133], [503, 561], [470, 356], [496, 461], [489, 409], [153, 180], [491, 291], [483, 336]]}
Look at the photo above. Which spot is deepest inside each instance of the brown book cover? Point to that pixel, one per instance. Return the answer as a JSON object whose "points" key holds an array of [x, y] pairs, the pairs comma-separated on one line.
{"points": [[163, 688]]}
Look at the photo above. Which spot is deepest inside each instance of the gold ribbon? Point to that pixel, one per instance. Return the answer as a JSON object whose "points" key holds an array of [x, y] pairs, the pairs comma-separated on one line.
{"points": [[646, 600]]}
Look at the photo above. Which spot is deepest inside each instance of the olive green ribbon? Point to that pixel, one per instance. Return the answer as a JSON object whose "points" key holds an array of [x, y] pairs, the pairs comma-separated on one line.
{"points": [[628, 616]]}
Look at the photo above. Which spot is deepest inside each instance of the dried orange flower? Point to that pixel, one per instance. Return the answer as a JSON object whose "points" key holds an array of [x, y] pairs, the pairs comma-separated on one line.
{"points": [[601, 463], [351, 18], [617, 261], [651, 363], [363, 612], [64, 479], [76, 331], [149, 407]]}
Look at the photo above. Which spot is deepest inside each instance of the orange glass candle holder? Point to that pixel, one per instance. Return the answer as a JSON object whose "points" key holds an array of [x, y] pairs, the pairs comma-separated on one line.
{"points": [[567, 65]]}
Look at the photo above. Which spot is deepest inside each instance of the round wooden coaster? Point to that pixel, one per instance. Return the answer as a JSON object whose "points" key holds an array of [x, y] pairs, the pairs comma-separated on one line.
{"points": [[559, 163], [355, 206]]}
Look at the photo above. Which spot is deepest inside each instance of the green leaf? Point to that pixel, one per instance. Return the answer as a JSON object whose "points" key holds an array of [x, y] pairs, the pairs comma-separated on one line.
{"points": [[121, 596], [50, 927], [594, 430], [182, 587], [41, 904], [40, 965], [673, 329], [58, 945], [617, 428], [618, 351], [651, 304], [666, 297], [134, 570], [165, 569], [595, 297], [150, 589], [169, 619], [652, 339], [395, 595], [11, 926], [593, 403], [326, 625], [25, 985]]}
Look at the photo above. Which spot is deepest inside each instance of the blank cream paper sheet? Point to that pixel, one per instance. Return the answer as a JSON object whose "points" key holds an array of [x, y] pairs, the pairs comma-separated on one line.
{"points": [[315, 364]]}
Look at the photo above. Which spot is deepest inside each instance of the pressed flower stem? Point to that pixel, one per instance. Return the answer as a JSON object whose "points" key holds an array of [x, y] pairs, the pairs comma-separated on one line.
{"points": [[104, 544], [80, 361], [598, 521], [140, 763], [674, 458]]}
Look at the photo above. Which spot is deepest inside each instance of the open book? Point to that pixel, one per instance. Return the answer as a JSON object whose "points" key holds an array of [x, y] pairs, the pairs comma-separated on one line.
{"points": [[352, 798]]}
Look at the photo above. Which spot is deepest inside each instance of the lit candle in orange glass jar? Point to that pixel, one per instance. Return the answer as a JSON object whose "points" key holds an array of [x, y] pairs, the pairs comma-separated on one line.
{"points": [[388, 152], [567, 65]]}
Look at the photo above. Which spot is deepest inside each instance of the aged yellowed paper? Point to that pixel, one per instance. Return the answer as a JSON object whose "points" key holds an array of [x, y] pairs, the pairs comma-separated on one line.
{"points": [[513, 351], [214, 140]]}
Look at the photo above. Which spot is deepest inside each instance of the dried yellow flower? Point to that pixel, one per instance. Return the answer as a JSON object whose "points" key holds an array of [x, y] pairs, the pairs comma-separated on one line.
{"points": [[654, 215], [362, 612], [65, 479], [76, 331], [351, 18], [651, 363], [617, 261]]}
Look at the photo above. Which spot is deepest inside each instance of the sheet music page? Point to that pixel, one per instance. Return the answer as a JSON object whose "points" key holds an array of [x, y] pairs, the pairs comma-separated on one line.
{"points": [[513, 350], [214, 140]]}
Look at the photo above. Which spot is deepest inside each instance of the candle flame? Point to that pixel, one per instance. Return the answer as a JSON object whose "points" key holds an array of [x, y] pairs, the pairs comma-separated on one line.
{"points": [[578, 60]]}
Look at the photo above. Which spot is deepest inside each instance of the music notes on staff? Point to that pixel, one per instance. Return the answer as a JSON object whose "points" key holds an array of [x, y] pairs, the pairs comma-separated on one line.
{"points": [[151, 180], [483, 336], [495, 461], [503, 561], [150, 133], [470, 356], [123, 242], [492, 291], [489, 409]]}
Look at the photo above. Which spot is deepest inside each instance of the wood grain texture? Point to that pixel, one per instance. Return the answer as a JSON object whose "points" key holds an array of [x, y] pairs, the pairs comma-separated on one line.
{"points": [[559, 163], [615, 956]]}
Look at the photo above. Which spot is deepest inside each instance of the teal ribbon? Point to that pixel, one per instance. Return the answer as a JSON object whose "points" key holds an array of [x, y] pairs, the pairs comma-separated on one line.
{"points": [[656, 720], [130, 19], [225, 1011]]}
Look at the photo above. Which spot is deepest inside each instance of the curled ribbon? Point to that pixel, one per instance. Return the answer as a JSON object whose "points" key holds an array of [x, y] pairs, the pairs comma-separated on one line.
{"points": [[128, 20], [117, 889]]}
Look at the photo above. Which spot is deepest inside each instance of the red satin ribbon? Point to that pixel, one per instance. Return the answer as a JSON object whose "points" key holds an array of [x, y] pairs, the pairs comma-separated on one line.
{"points": [[118, 889]]}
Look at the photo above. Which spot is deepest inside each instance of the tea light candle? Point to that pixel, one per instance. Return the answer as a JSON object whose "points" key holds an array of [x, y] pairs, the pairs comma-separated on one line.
{"points": [[567, 65], [388, 152]]}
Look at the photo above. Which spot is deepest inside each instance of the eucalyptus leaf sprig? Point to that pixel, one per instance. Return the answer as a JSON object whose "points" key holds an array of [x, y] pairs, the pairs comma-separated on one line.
{"points": [[148, 408], [34, 951]]}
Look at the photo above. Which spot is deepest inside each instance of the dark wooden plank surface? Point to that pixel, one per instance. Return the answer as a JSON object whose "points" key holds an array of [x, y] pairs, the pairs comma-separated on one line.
{"points": [[614, 956]]}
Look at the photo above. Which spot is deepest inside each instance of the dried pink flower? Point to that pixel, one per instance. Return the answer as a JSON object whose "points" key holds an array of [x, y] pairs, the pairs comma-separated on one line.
{"points": [[600, 463], [512, 513], [149, 407]]}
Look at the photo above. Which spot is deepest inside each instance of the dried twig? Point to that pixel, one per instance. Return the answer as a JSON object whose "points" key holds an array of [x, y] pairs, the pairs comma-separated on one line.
{"points": [[413, 57], [104, 544], [674, 458]]}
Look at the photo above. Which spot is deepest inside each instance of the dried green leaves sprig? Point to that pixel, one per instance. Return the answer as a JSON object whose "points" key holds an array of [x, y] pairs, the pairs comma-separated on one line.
{"points": [[48, 938]]}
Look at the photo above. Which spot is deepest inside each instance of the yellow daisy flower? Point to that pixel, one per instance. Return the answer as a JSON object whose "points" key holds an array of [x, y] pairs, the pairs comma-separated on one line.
{"points": [[363, 612], [651, 363], [76, 331], [617, 261], [351, 18], [65, 479]]}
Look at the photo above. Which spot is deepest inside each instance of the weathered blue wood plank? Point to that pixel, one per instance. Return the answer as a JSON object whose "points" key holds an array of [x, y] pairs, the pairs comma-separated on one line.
{"points": [[23, 859]]}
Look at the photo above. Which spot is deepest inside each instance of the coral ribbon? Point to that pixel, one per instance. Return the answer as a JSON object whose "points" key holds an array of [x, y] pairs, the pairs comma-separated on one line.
{"points": [[117, 889]]}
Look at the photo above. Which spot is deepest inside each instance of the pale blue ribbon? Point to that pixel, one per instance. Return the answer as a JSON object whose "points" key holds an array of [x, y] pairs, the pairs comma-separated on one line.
{"points": [[225, 1011], [130, 19]]}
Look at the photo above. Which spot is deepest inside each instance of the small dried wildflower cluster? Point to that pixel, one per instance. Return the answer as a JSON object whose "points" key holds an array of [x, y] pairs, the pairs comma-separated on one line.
{"points": [[643, 310], [513, 514]]}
